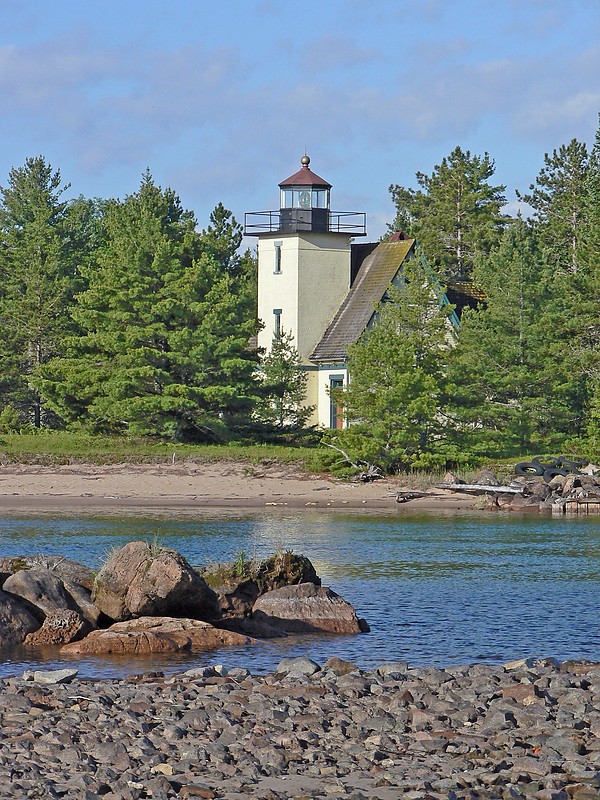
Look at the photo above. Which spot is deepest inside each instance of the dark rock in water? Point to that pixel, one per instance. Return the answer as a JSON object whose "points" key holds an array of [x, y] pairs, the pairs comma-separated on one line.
{"points": [[63, 568], [16, 621], [42, 590], [285, 569], [140, 580], [307, 608], [59, 627]]}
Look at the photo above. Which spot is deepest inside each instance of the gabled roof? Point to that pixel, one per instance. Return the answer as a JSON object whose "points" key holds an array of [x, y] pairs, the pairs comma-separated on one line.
{"points": [[376, 272]]}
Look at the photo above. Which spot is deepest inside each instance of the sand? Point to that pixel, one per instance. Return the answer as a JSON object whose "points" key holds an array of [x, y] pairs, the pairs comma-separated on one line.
{"points": [[190, 487]]}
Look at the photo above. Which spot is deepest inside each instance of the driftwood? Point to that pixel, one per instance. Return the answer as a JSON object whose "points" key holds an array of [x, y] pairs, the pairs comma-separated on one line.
{"points": [[371, 473], [480, 488], [405, 497]]}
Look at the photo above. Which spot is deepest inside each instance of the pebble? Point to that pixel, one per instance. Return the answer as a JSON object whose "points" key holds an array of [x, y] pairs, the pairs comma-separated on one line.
{"points": [[530, 729]]}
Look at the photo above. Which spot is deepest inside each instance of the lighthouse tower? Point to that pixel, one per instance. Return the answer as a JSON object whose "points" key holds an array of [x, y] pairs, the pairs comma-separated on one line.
{"points": [[304, 255]]}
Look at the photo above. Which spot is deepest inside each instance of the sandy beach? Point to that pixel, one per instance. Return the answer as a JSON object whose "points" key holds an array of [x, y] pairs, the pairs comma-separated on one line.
{"points": [[191, 486]]}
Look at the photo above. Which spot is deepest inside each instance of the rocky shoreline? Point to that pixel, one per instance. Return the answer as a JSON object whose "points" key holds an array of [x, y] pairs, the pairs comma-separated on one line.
{"points": [[529, 729]]}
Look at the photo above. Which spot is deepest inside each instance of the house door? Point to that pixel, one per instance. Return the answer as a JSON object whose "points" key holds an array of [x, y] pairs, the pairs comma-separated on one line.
{"points": [[336, 411]]}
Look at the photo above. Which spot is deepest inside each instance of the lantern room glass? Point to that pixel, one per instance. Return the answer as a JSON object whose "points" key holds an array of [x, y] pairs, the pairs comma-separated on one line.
{"points": [[304, 197]]}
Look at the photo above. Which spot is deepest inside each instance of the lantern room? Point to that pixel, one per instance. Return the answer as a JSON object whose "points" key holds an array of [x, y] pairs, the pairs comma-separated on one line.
{"points": [[304, 204]]}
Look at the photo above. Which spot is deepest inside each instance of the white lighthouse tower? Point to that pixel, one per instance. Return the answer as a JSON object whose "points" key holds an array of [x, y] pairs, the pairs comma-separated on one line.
{"points": [[304, 268]]}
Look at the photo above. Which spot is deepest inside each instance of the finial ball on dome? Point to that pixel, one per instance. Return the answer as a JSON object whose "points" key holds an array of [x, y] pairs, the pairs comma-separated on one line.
{"points": [[305, 160]]}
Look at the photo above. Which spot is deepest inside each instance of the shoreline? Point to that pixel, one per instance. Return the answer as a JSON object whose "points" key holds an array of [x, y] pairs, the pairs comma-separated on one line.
{"points": [[188, 487], [529, 729]]}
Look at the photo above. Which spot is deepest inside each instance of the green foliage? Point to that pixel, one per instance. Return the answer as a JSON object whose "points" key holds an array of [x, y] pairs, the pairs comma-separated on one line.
{"points": [[505, 388], [558, 198], [397, 380], [37, 278], [284, 386], [455, 214], [162, 348]]}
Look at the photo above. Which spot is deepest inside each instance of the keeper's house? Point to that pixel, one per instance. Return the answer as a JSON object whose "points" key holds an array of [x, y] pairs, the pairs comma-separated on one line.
{"points": [[316, 283]]}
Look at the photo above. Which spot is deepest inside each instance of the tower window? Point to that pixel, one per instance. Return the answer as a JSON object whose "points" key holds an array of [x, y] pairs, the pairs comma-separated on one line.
{"points": [[277, 321], [277, 269]]}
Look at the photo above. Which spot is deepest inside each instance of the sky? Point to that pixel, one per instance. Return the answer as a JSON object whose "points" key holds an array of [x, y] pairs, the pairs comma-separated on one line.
{"points": [[221, 98]]}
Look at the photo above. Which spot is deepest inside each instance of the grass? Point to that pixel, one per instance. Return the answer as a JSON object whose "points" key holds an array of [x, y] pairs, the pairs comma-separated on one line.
{"points": [[59, 447]]}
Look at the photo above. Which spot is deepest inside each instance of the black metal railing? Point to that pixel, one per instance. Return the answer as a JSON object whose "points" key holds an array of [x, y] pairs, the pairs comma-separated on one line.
{"points": [[352, 223]]}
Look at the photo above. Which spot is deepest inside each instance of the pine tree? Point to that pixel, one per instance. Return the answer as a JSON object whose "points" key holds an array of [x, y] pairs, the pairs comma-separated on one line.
{"points": [[163, 348], [558, 198], [36, 282], [284, 386], [397, 377], [506, 391], [455, 214]]}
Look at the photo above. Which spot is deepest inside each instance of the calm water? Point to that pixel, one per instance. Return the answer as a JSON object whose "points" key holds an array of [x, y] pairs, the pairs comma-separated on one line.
{"points": [[435, 590]]}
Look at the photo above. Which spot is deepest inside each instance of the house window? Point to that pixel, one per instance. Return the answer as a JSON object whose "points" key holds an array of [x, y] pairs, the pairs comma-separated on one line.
{"points": [[277, 322], [336, 415], [277, 269]]}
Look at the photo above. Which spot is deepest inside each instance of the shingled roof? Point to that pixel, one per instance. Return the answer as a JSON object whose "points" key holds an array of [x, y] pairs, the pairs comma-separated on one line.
{"points": [[376, 272]]}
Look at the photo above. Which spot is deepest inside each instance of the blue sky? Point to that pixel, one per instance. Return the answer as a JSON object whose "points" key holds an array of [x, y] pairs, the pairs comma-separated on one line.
{"points": [[220, 99]]}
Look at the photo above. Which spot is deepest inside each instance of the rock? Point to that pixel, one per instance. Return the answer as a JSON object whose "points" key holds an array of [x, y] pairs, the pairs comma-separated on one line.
{"points": [[54, 676], [306, 608], [140, 580], [59, 627], [82, 597], [135, 643], [62, 567], [16, 621], [42, 590], [298, 666], [285, 569], [340, 667], [485, 477], [147, 635], [451, 477]]}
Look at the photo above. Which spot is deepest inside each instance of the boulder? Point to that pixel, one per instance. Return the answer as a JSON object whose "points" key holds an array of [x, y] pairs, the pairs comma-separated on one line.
{"points": [[485, 477], [143, 580], [43, 591], [62, 567], [59, 627], [307, 608], [147, 635], [16, 622], [82, 597], [285, 569], [136, 643]]}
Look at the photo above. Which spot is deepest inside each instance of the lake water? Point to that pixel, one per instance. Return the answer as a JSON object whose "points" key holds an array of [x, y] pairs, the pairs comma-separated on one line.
{"points": [[435, 590]]}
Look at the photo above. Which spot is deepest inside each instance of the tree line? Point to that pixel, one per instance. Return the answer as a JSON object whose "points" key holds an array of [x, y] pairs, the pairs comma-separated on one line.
{"points": [[522, 375], [122, 317]]}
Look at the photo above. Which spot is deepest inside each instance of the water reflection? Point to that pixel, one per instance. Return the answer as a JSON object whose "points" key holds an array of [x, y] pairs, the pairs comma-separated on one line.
{"points": [[435, 590]]}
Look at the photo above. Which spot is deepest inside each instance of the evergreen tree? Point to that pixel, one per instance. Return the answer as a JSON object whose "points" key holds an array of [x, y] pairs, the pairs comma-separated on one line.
{"points": [[284, 386], [36, 282], [164, 339], [506, 391], [455, 214], [397, 377], [558, 198]]}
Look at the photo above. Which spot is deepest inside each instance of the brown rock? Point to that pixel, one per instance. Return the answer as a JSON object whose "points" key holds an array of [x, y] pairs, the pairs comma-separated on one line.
{"points": [[201, 635], [140, 580], [147, 635], [16, 622], [307, 608], [59, 627], [135, 643]]}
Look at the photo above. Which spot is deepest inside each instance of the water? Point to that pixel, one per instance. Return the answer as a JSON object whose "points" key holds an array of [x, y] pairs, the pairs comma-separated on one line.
{"points": [[435, 590]]}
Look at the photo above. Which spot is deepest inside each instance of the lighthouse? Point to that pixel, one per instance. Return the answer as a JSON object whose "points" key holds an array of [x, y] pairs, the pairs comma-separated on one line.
{"points": [[304, 270]]}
